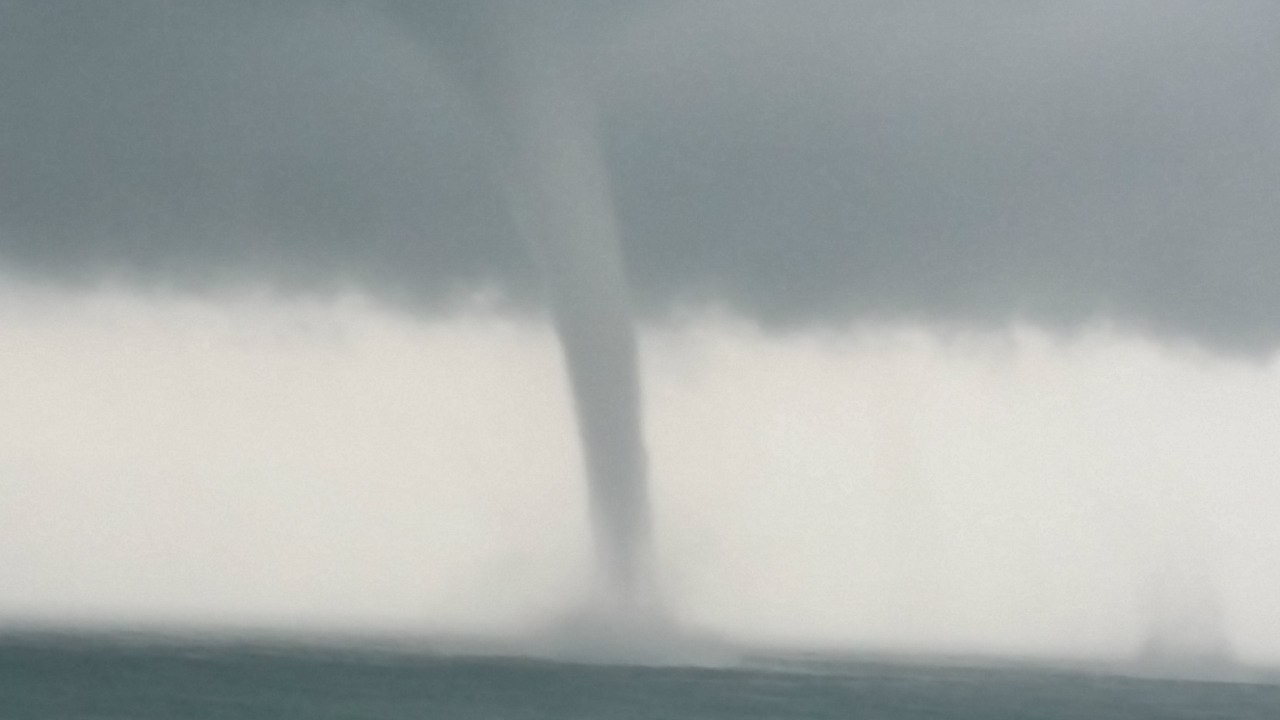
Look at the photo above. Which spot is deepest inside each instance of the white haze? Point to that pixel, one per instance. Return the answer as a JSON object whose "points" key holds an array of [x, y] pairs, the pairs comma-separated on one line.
{"points": [[320, 465]]}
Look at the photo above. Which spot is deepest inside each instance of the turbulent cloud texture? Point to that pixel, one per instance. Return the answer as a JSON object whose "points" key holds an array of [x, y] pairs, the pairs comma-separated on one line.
{"points": [[801, 163]]}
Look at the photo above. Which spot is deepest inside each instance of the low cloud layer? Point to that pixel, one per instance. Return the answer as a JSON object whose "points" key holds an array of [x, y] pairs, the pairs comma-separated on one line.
{"points": [[827, 162]]}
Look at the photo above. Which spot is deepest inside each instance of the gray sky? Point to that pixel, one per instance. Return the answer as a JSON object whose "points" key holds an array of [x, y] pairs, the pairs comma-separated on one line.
{"points": [[820, 162], [267, 353]]}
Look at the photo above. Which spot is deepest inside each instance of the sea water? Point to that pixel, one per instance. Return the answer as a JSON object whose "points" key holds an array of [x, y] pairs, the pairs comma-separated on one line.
{"points": [[71, 677]]}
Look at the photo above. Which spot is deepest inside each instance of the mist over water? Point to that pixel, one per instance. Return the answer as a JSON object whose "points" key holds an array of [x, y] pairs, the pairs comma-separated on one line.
{"points": [[884, 490]]}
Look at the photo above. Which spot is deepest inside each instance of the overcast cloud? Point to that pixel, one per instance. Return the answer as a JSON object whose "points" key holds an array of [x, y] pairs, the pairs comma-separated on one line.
{"points": [[800, 163]]}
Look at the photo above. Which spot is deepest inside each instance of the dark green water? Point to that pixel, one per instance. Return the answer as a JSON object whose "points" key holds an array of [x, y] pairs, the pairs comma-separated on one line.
{"points": [[72, 678]]}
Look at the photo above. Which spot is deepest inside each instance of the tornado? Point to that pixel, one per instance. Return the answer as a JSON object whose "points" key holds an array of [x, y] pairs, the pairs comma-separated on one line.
{"points": [[540, 128], [558, 190]]}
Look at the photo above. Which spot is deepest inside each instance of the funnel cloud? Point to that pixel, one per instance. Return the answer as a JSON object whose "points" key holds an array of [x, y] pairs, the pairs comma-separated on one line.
{"points": [[559, 192], [548, 163]]}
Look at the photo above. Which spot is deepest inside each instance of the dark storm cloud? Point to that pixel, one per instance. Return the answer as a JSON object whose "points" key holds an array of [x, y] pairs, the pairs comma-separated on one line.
{"points": [[1051, 161], [196, 142], [804, 162]]}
